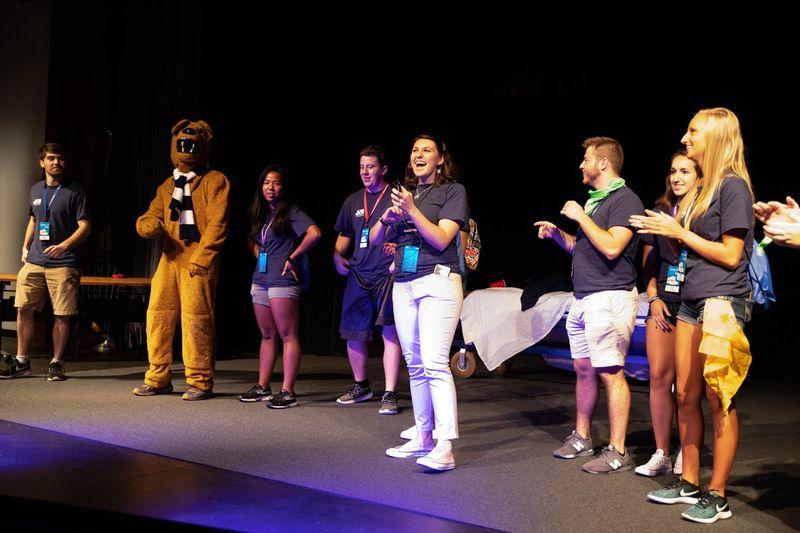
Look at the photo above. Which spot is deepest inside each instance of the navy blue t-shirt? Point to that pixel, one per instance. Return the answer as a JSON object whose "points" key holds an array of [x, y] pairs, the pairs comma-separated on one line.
{"points": [[591, 270], [446, 201], [731, 209], [280, 247], [67, 207], [370, 262], [665, 257]]}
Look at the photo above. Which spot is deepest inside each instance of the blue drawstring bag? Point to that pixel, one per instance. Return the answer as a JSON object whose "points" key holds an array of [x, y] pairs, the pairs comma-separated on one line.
{"points": [[760, 275]]}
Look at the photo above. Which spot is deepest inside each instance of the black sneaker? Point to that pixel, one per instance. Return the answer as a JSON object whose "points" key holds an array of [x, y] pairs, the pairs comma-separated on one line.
{"points": [[56, 371], [257, 393], [388, 403], [10, 367], [356, 393], [282, 400]]}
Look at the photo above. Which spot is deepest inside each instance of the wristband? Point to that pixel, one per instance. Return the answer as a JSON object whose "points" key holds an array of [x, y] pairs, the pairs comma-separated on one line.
{"points": [[383, 222], [290, 259], [653, 299]]}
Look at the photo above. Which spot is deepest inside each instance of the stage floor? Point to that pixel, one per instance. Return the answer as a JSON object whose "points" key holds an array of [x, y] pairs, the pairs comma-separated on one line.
{"points": [[222, 463]]}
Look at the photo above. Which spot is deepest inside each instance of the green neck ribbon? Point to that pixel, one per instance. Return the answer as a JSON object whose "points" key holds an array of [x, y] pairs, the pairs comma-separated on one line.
{"points": [[597, 196]]}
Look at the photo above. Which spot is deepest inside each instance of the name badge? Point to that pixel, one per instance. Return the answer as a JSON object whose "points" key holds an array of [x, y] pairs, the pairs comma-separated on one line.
{"points": [[673, 283], [682, 265], [364, 241], [410, 259], [44, 231], [262, 262]]}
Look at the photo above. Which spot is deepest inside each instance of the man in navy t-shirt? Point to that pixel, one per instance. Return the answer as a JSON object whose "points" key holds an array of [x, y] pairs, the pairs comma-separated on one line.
{"points": [[58, 223], [603, 312], [367, 298]]}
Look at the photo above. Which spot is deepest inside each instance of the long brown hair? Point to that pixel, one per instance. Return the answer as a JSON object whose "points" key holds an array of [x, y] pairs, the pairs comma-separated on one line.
{"points": [[668, 200], [447, 172]]}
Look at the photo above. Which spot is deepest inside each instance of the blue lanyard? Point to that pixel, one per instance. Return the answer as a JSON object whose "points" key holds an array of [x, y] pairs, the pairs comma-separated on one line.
{"points": [[44, 200]]}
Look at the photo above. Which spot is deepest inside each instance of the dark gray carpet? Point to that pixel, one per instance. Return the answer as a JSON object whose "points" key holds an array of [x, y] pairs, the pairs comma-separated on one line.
{"points": [[506, 477]]}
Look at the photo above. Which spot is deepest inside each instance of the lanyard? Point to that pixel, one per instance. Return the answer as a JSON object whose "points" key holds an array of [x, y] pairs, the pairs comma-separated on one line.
{"points": [[367, 214], [264, 231], [44, 200]]}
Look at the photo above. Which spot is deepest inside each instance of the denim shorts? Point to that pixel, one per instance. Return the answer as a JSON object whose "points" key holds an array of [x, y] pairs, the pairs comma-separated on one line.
{"points": [[691, 311], [262, 294], [673, 308]]}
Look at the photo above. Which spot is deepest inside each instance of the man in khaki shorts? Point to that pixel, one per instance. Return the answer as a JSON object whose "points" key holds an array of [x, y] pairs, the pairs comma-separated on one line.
{"points": [[58, 223], [601, 319]]}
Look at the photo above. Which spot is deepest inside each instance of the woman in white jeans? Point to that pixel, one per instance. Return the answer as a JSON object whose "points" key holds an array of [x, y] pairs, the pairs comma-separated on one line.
{"points": [[427, 293]]}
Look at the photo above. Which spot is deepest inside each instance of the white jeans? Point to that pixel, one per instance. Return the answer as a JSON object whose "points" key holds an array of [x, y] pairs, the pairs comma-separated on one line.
{"points": [[426, 313]]}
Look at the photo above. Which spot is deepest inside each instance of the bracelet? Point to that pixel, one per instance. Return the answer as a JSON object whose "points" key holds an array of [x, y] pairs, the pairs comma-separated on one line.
{"points": [[383, 222], [653, 299], [291, 259]]}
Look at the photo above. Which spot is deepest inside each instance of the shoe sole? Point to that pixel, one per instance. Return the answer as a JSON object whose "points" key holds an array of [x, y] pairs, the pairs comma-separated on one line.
{"points": [[407, 455], [355, 400], [620, 469], [652, 473], [146, 394], [682, 499], [439, 467], [58, 378], [586, 453], [253, 400], [17, 375], [719, 516], [389, 412], [293, 404]]}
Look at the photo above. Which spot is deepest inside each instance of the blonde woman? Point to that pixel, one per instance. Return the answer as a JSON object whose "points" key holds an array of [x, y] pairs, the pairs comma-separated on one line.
{"points": [[718, 236]]}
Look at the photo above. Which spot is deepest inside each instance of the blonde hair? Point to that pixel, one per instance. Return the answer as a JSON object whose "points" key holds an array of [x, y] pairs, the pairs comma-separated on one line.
{"points": [[723, 155]]}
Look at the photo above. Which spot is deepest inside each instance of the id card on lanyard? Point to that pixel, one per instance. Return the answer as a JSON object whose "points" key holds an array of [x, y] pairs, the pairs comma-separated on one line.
{"points": [[363, 240], [44, 225], [676, 274], [262, 253]]}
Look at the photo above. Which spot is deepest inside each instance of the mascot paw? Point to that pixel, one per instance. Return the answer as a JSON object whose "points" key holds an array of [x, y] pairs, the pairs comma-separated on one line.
{"points": [[149, 229]]}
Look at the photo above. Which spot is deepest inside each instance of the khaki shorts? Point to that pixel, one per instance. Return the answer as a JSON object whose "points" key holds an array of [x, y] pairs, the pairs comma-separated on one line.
{"points": [[35, 282], [600, 325]]}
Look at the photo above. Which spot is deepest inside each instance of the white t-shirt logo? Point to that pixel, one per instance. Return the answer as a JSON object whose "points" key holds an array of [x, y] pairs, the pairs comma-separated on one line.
{"points": [[360, 213], [37, 201]]}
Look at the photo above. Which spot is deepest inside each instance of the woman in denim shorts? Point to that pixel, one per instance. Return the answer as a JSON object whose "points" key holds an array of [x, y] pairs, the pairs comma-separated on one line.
{"points": [[660, 262], [280, 234], [717, 234]]}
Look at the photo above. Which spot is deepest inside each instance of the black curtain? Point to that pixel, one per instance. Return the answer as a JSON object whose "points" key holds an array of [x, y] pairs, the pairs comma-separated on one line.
{"points": [[514, 93]]}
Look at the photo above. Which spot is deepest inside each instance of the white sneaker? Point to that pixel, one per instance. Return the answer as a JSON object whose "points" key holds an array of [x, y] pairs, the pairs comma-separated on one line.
{"points": [[438, 460], [678, 468], [658, 465], [409, 449], [411, 433]]}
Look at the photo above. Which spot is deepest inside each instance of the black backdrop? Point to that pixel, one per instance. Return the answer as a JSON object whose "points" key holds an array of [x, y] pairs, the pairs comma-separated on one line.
{"points": [[513, 93]]}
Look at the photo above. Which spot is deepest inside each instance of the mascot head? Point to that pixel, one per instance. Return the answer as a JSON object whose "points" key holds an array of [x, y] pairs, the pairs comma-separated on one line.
{"points": [[191, 144]]}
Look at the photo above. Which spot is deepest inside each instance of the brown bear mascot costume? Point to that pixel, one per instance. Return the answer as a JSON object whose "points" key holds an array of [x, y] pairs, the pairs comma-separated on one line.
{"points": [[191, 211]]}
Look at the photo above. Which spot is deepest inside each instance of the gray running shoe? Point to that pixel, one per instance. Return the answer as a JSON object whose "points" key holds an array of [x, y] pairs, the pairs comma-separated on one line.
{"points": [[193, 394], [389, 403], [356, 393], [574, 446], [610, 461], [709, 508], [56, 371], [677, 491]]}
